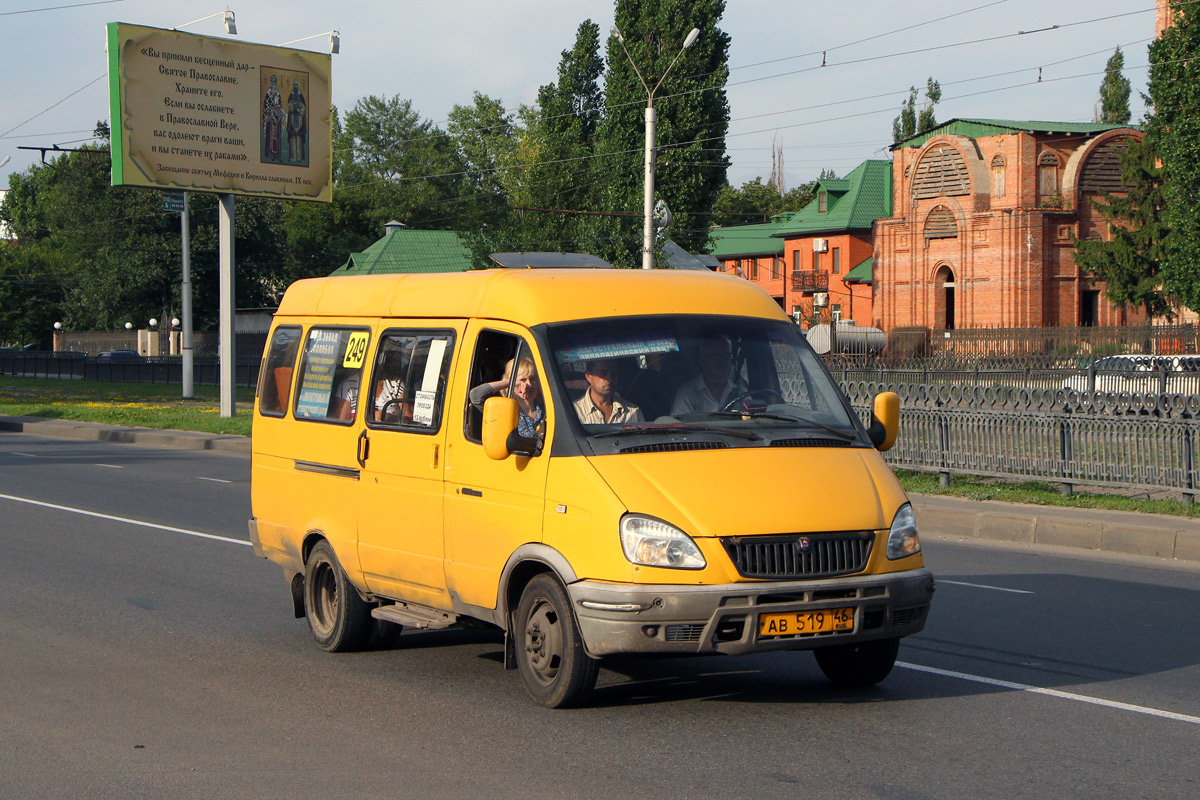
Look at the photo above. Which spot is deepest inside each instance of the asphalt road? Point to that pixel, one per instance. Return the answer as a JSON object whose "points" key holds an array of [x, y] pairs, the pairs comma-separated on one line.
{"points": [[145, 652]]}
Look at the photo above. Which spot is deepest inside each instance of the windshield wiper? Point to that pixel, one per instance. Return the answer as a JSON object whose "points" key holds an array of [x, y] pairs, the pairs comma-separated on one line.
{"points": [[684, 428], [849, 437]]}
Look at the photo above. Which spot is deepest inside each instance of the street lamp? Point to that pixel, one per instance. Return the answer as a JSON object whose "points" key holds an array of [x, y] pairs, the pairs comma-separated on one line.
{"points": [[153, 322], [229, 17], [335, 40], [648, 198], [128, 326]]}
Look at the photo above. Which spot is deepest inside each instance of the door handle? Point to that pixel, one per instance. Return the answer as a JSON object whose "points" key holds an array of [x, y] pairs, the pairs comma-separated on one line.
{"points": [[471, 492], [364, 449]]}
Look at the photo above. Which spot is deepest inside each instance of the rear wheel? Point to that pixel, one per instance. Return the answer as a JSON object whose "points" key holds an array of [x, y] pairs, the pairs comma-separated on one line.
{"points": [[339, 619], [554, 667], [862, 664]]}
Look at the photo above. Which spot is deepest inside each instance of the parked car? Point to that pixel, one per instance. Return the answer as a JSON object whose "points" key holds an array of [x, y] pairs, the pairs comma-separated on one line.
{"points": [[120, 357], [1141, 374]]}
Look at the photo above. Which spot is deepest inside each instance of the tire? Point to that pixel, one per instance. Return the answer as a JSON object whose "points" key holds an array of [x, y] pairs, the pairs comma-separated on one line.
{"points": [[556, 671], [340, 620], [858, 665]]}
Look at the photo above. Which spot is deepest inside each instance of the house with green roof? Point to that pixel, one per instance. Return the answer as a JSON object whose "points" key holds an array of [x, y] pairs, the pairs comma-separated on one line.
{"points": [[751, 252], [405, 250], [817, 260], [983, 223]]}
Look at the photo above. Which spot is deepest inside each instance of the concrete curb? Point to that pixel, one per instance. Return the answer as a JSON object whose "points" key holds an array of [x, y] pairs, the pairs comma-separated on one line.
{"points": [[1124, 532], [1131, 533], [144, 437]]}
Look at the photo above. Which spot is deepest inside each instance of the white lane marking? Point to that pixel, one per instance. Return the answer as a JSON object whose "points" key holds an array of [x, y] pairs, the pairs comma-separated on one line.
{"points": [[127, 520], [214, 480], [1079, 698], [110, 466], [27, 455], [983, 586]]}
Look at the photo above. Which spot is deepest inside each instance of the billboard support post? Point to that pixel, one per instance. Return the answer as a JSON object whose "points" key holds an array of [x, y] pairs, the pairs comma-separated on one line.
{"points": [[185, 300], [227, 352]]}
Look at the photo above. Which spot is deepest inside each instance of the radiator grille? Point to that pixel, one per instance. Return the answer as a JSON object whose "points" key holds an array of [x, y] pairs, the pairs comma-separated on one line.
{"points": [[800, 555]]}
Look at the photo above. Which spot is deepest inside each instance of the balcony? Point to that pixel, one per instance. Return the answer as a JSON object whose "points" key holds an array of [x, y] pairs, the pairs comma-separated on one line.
{"points": [[810, 281]]}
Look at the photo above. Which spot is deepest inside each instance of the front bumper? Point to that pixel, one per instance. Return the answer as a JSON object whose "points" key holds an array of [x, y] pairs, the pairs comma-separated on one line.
{"points": [[691, 620]]}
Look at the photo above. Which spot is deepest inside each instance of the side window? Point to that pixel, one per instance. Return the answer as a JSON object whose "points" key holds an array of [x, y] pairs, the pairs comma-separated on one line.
{"points": [[276, 379], [504, 365], [408, 380], [331, 374]]}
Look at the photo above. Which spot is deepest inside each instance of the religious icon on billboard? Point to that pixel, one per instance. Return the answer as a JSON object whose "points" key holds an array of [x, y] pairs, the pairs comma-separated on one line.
{"points": [[284, 122]]}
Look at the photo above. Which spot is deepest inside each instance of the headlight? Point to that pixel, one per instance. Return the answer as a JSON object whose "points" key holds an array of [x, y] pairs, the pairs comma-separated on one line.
{"points": [[902, 538], [654, 543]]}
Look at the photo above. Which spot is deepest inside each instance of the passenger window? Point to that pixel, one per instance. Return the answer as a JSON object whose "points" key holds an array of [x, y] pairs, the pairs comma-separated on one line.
{"points": [[408, 381], [331, 374], [276, 379], [504, 365]]}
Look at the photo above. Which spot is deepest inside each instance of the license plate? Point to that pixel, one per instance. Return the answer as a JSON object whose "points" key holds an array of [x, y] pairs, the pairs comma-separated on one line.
{"points": [[799, 623]]}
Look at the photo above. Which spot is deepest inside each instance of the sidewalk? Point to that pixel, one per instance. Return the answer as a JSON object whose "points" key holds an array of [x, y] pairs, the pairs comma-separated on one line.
{"points": [[1154, 535]]}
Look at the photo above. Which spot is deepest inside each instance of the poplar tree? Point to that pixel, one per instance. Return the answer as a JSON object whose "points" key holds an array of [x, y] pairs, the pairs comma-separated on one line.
{"points": [[1114, 91], [911, 120], [1174, 131], [692, 121]]}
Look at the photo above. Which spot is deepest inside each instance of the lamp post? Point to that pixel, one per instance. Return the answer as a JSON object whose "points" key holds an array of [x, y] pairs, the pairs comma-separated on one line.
{"points": [[648, 189], [335, 40], [229, 18]]}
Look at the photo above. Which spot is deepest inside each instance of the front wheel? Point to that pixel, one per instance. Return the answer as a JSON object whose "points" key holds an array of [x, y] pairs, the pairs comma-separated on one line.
{"points": [[863, 664], [554, 667], [339, 619]]}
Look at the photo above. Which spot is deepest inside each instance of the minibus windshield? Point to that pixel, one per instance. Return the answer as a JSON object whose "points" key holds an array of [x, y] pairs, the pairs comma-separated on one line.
{"points": [[752, 379]]}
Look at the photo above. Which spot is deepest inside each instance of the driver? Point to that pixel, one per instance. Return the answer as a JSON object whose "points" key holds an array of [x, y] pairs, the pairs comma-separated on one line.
{"points": [[600, 402], [714, 386]]}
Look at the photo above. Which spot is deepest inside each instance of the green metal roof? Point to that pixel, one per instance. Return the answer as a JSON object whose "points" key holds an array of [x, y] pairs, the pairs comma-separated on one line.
{"points": [[980, 128], [411, 251], [746, 240], [852, 203], [862, 273]]}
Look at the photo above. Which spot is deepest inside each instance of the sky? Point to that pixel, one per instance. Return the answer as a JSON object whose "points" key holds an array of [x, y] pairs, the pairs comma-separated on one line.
{"points": [[987, 55]]}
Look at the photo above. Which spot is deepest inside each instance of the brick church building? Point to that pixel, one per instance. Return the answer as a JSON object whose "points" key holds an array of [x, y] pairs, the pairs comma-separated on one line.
{"points": [[983, 215]]}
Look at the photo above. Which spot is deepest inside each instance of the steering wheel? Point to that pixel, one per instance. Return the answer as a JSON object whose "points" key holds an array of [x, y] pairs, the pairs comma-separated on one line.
{"points": [[766, 394], [392, 408]]}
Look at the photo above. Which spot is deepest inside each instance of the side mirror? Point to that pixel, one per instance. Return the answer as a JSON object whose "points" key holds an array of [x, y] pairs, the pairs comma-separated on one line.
{"points": [[885, 421], [499, 422]]}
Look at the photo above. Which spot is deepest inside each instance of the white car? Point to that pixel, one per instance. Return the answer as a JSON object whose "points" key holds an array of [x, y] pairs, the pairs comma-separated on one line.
{"points": [[1141, 374]]}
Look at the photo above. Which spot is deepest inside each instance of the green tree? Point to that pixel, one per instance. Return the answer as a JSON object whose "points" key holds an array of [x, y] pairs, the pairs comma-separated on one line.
{"points": [[1174, 131], [757, 201], [1129, 262], [913, 120], [485, 136], [101, 255], [551, 162], [401, 166], [692, 120], [1114, 91]]}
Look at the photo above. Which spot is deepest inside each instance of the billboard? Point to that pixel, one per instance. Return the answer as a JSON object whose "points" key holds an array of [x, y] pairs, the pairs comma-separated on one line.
{"points": [[206, 114]]}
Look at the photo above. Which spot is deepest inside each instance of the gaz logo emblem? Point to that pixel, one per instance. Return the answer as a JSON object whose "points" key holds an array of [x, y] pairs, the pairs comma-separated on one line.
{"points": [[803, 543]]}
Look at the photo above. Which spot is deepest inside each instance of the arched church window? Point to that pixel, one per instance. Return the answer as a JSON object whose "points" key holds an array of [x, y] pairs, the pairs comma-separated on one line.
{"points": [[942, 172], [1048, 175], [998, 176]]}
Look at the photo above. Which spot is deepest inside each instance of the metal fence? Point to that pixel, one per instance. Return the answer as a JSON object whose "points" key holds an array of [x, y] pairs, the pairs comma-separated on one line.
{"points": [[1171, 339], [73, 366], [1081, 373], [1124, 440]]}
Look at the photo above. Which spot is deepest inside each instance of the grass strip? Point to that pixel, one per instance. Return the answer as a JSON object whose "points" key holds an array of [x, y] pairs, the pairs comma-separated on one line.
{"points": [[137, 405]]}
